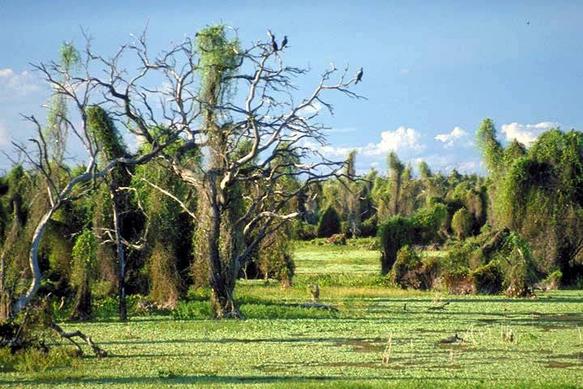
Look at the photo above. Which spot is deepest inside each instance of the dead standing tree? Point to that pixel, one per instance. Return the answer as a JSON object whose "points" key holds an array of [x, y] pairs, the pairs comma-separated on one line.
{"points": [[234, 107], [60, 183]]}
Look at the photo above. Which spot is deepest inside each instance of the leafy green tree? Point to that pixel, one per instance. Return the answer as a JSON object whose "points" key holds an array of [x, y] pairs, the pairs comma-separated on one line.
{"points": [[396, 169], [536, 192], [329, 223]]}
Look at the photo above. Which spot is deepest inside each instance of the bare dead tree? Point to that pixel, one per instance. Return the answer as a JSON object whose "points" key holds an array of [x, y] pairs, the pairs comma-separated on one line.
{"points": [[60, 184], [237, 109]]}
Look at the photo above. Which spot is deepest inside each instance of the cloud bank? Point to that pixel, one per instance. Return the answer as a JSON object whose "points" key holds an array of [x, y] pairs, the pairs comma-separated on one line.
{"points": [[526, 133], [14, 84], [451, 138]]}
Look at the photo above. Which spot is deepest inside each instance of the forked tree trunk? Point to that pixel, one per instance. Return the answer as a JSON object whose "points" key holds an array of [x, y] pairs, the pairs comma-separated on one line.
{"points": [[221, 280], [26, 298]]}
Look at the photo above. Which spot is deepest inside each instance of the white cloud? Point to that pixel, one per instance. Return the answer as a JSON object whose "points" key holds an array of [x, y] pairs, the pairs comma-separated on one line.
{"points": [[450, 138], [19, 84], [526, 133], [401, 139], [6, 73]]}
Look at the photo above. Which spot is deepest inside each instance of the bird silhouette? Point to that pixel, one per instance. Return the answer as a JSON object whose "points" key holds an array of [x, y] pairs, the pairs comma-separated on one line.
{"points": [[359, 76], [284, 42], [451, 339], [273, 42]]}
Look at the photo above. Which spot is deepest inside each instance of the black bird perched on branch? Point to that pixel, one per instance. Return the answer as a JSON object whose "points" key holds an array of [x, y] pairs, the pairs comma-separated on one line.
{"points": [[284, 42], [273, 42], [359, 76]]}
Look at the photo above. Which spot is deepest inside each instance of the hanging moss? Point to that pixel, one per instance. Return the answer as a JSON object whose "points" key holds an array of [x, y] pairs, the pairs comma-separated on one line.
{"points": [[164, 235], [105, 135], [275, 258], [537, 192], [82, 274], [461, 223], [164, 287]]}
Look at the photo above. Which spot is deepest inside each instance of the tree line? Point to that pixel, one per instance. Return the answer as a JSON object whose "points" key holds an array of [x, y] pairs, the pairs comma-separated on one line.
{"points": [[224, 178]]}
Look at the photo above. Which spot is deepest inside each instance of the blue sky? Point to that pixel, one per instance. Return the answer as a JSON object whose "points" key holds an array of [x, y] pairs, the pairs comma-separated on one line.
{"points": [[433, 70]]}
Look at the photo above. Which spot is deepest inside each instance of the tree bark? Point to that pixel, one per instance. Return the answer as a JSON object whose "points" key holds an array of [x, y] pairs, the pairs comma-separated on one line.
{"points": [[123, 311], [222, 286], [25, 299]]}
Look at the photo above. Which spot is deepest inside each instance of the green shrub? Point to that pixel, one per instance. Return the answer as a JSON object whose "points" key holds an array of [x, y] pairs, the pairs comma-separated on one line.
{"points": [[33, 360], [83, 273], [553, 280], [329, 223], [412, 271], [188, 310], [461, 223], [394, 234], [368, 227], [455, 269], [488, 278], [405, 267], [518, 266], [429, 222], [275, 258], [302, 231]]}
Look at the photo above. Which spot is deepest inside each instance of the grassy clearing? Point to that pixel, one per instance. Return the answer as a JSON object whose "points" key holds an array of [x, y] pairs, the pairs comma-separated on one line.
{"points": [[319, 257], [507, 342]]}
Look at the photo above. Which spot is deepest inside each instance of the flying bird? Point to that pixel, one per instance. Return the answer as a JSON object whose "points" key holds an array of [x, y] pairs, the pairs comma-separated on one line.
{"points": [[284, 42], [359, 76]]}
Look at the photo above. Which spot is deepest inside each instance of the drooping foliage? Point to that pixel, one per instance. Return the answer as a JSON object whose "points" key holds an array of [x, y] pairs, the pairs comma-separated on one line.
{"points": [[329, 223], [537, 192], [82, 274], [461, 223]]}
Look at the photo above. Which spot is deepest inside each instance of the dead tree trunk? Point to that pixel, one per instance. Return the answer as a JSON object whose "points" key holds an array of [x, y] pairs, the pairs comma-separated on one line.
{"points": [[117, 226], [222, 279], [26, 298]]}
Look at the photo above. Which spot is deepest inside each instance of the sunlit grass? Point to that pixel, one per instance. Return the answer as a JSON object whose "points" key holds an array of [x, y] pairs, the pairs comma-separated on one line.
{"points": [[507, 342]]}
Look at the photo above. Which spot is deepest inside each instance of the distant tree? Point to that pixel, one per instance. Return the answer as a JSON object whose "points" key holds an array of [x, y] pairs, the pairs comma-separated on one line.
{"points": [[424, 171], [329, 223], [111, 147], [536, 192], [461, 223], [352, 195], [492, 150], [396, 169]]}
